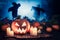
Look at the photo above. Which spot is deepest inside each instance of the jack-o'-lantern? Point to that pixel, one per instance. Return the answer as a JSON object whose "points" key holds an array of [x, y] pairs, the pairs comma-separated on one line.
{"points": [[56, 27], [20, 26], [49, 29], [5, 26]]}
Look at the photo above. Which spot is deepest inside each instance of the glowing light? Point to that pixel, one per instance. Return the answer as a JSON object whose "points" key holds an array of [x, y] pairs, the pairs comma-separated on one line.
{"points": [[24, 24], [9, 32], [26, 10], [17, 24], [33, 31]]}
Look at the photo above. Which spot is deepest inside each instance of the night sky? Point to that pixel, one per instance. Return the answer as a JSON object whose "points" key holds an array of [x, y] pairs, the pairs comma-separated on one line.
{"points": [[51, 7]]}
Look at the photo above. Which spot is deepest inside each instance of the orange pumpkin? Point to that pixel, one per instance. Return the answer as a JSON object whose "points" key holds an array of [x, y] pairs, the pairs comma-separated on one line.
{"points": [[5, 26], [36, 24], [20, 26], [56, 27], [40, 27], [48, 29]]}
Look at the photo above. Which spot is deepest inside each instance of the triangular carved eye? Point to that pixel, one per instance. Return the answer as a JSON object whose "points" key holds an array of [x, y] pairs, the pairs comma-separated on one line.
{"points": [[17, 24], [24, 24]]}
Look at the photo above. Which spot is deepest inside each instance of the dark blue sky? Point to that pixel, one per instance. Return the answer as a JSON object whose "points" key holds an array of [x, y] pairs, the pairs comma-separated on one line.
{"points": [[50, 6]]}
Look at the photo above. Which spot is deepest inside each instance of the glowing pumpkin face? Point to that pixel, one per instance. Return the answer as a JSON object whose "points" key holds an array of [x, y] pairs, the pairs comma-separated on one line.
{"points": [[20, 26]]}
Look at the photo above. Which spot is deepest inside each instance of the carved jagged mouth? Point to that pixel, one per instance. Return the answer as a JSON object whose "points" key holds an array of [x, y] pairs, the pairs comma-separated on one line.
{"points": [[22, 30]]}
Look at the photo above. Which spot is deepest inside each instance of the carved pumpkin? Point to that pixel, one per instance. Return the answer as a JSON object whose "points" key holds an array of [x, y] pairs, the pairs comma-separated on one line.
{"points": [[48, 29], [20, 26]]}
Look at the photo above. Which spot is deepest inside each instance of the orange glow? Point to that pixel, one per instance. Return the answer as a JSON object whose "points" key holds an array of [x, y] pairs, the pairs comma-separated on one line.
{"points": [[33, 31], [9, 32], [36, 24], [5, 26], [48, 29], [40, 27], [56, 27], [18, 26]]}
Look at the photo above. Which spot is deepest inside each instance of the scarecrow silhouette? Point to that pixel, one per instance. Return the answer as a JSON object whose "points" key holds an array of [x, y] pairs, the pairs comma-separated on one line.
{"points": [[37, 11], [14, 9]]}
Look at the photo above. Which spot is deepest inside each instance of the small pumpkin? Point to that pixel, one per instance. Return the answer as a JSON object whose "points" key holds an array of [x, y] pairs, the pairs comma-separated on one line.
{"points": [[48, 29], [36, 24], [56, 27], [5, 26]]}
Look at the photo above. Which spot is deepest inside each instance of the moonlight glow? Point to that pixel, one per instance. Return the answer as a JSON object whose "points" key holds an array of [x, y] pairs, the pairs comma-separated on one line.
{"points": [[26, 10]]}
